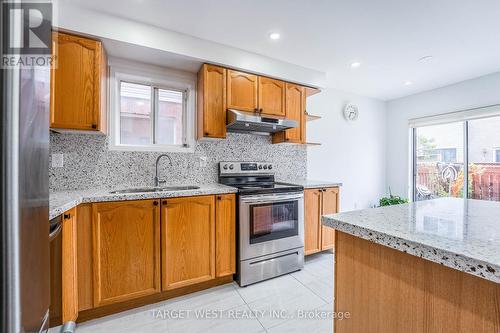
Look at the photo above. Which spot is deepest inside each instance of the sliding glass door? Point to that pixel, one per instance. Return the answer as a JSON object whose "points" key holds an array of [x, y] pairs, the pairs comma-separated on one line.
{"points": [[457, 159]]}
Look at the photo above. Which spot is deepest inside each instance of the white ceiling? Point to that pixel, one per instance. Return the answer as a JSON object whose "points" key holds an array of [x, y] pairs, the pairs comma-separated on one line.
{"points": [[386, 36]]}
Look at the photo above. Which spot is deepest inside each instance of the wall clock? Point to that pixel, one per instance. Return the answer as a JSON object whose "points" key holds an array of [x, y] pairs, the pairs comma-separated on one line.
{"points": [[351, 112]]}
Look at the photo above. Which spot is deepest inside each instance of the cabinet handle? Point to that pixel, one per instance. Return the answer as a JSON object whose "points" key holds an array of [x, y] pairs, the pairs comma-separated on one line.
{"points": [[155, 203], [67, 216], [256, 110], [164, 202], [94, 126], [219, 197], [207, 134]]}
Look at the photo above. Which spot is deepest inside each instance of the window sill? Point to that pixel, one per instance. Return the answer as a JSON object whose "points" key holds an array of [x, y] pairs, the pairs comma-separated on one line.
{"points": [[155, 148]]}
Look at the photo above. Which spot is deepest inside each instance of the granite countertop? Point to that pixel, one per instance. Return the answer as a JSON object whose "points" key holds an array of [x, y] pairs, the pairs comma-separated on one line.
{"points": [[314, 183], [61, 201], [463, 234]]}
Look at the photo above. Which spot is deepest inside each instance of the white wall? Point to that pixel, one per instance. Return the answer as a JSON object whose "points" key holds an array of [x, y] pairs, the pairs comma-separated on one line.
{"points": [[101, 25], [351, 152], [474, 93]]}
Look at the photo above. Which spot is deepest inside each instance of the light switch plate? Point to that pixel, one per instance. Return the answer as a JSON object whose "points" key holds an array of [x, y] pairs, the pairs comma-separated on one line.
{"points": [[57, 160]]}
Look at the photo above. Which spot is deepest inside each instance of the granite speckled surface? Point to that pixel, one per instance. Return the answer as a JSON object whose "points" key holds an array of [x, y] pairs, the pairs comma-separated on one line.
{"points": [[61, 201], [88, 163], [308, 183], [461, 234]]}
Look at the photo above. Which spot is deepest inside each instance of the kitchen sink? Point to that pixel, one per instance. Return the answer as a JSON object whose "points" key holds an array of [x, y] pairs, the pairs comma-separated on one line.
{"points": [[155, 189]]}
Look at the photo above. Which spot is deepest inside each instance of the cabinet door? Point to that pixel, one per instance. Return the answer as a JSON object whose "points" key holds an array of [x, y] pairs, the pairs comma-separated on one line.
{"points": [[225, 235], [76, 83], [188, 241], [241, 91], [126, 250], [312, 231], [69, 267], [212, 102], [330, 206], [295, 102], [271, 96]]}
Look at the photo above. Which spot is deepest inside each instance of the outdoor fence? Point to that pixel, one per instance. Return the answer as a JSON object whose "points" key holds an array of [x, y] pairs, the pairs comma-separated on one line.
{"points": [[484, 180]]}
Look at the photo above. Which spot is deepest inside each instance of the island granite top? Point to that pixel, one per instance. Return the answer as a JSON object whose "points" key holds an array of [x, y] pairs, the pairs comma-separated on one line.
{"points": [[463, 234], [61, 201]]}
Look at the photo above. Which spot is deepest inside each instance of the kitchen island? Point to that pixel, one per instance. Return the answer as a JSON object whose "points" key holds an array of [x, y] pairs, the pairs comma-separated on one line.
{"points": [[429, 266]]}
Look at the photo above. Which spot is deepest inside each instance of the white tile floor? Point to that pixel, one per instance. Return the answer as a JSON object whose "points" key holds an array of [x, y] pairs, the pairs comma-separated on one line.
{"points": [[276, 305]]}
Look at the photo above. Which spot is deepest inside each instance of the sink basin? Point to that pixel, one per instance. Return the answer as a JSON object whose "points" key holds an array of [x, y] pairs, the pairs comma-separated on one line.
{"points": [[154, 189]]}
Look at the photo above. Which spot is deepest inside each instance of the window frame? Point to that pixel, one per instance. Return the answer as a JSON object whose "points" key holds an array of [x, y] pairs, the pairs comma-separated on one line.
{"points": [[464, 117], [157, 78]]}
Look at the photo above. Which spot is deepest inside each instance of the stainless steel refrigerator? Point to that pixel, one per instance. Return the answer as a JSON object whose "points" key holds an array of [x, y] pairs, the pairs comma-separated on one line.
{"points": [[24, 231]]}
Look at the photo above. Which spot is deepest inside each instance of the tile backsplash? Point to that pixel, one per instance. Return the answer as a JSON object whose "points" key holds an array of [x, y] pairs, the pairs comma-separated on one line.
{"points": [[88, 163]]}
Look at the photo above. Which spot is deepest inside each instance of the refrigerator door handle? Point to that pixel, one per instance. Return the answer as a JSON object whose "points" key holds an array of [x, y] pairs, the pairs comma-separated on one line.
{"points": [[55, 228]]}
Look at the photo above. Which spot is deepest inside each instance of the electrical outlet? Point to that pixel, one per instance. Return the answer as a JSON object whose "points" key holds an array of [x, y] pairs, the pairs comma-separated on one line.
{"points": [[203, 161], [57, 160]]}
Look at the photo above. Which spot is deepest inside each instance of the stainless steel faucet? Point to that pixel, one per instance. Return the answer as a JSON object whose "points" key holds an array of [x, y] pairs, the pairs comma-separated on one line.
{"points": [[159, 181]]}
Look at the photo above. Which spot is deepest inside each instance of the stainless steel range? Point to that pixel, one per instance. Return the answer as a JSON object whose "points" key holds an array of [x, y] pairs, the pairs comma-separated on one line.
{"points": [[270, 221]]}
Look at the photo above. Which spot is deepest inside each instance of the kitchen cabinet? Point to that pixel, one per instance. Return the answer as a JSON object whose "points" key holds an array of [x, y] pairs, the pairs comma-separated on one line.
{"points": [[188, 241], [69, 267], [211, 102], [242, 91], [317, 202], [78, 98], [271, 94], [225, 235], [126, 250], [312, 215], [295, 108]]}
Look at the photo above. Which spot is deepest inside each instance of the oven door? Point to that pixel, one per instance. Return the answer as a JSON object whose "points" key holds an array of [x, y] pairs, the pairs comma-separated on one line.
{"points": [[270, 223]]}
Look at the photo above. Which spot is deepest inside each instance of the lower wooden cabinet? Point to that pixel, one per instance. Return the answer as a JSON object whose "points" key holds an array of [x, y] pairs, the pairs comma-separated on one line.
{"points": [[188, 241], [129, 250], [319, 202], [69, 267], [225, 235], [126, 250]]}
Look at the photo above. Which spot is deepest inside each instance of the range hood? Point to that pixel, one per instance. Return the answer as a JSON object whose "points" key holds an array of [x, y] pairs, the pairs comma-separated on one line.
{"points": [[240, 121]]}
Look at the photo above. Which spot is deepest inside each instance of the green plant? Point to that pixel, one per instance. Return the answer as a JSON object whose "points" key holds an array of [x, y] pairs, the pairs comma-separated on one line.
{"points": [[392, 200]]}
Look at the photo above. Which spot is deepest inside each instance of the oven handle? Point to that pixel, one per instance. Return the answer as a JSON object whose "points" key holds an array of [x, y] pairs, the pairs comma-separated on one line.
{"points": [[270, 198]]}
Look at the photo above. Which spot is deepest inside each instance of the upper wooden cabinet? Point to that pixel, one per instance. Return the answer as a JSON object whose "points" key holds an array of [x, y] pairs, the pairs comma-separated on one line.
{"points": [[126, 250], [295, 107], [318, 202], [212, 102], [188, 241], [271, 96], [78, 84], [225, 235], [242, 91]]}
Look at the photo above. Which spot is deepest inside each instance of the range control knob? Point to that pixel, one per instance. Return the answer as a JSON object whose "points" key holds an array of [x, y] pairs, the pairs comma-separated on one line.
{"points": [[231, 167], [260, 166], [265, 166], [270, 166], [225, 166]]}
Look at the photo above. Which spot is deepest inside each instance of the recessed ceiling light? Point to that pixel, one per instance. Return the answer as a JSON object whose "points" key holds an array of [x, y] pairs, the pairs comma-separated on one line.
{"points": [[355, 64], [408, 83], [274, 35]]}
